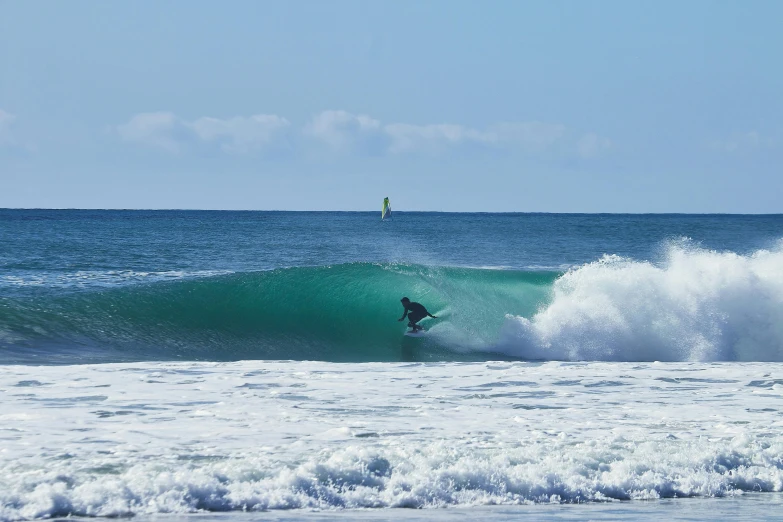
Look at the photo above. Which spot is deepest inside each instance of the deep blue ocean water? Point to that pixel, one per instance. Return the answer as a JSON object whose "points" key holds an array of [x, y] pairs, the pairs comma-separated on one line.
{"points": [[66, 242]]}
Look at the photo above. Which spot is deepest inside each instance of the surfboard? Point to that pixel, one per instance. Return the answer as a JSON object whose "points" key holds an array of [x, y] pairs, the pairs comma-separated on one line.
{"points": [[417, 333]]}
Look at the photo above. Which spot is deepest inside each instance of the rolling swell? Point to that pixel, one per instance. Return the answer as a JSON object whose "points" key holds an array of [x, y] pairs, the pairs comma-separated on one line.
{"points": [[337, 313]]}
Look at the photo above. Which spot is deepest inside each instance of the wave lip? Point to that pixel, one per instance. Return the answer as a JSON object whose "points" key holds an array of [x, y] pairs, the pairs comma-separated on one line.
{"points": [[99, 278], [698, 305]]}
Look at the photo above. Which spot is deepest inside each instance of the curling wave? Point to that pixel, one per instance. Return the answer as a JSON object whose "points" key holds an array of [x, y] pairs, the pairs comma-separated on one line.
{"points": [[337, 313]]}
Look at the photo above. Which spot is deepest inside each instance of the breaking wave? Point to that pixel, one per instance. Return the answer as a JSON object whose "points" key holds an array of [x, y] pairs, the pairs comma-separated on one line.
{"points": [[694, 305], [697, 305]]}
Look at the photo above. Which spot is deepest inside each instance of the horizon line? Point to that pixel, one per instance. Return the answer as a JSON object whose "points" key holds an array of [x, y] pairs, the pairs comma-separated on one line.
{"points": [[399, 211]]}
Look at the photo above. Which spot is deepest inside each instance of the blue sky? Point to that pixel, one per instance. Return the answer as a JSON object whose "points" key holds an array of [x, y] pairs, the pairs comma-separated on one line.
{"points": [[455, 106]]}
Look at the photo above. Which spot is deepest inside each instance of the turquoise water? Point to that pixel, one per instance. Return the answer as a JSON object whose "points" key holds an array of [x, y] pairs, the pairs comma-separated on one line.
{"points": [[135, 285], [744, 508]]}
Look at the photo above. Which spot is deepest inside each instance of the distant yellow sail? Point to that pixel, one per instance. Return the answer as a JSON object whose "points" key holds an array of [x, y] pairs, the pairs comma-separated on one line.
{"points": [[386, 212]]}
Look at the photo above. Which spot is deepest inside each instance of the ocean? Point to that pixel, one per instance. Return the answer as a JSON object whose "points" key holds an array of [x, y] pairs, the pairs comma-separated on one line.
{"points": [[250, 365]]}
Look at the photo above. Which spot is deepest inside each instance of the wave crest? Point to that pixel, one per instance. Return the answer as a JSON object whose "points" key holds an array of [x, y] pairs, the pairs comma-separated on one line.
{"points": [[698, 305]]}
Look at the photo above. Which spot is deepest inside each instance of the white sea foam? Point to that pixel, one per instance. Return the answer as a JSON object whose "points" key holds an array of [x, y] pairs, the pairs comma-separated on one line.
{"points": [[99, 278], [698, 305], [149, 438]]}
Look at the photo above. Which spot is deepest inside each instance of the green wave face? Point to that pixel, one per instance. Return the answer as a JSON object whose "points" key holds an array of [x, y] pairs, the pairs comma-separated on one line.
{"points": [[336, 313]]}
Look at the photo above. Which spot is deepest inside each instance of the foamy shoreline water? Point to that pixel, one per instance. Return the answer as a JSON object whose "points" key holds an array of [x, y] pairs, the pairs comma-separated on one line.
{"points": [[748, 507], [151, 438]]}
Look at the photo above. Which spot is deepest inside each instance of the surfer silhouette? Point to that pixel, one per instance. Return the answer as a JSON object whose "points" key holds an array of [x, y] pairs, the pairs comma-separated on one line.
{"points": [[415, 312]]}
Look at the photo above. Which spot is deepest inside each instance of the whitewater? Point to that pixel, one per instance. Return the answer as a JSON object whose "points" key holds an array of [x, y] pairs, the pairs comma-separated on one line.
{"points": [[118, 440], [250, 364], [696, 306]]}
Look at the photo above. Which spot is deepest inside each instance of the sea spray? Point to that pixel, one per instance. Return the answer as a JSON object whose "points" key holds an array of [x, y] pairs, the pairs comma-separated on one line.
{"points": [[697, 305]]}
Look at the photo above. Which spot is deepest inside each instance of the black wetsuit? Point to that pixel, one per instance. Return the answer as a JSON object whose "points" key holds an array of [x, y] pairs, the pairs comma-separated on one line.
{"points": [[415, 312]]}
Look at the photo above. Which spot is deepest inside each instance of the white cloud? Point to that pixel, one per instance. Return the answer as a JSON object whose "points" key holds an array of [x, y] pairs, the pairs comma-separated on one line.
{"points": [[6, 118], [745, 142], [343, 130], [592, 145], [239, 134], [532, 135], [529, 136], [405, 137], [6, 121], [347, 132], [166, 131], [156, 129]]}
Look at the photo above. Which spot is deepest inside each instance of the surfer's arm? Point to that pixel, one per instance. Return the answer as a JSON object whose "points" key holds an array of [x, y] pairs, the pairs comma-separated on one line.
{"points": [[434, 317], [403, 315]]}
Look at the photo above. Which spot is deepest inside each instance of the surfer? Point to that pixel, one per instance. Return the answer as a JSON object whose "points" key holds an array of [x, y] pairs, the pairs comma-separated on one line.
{"points": [[415, 312]]}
